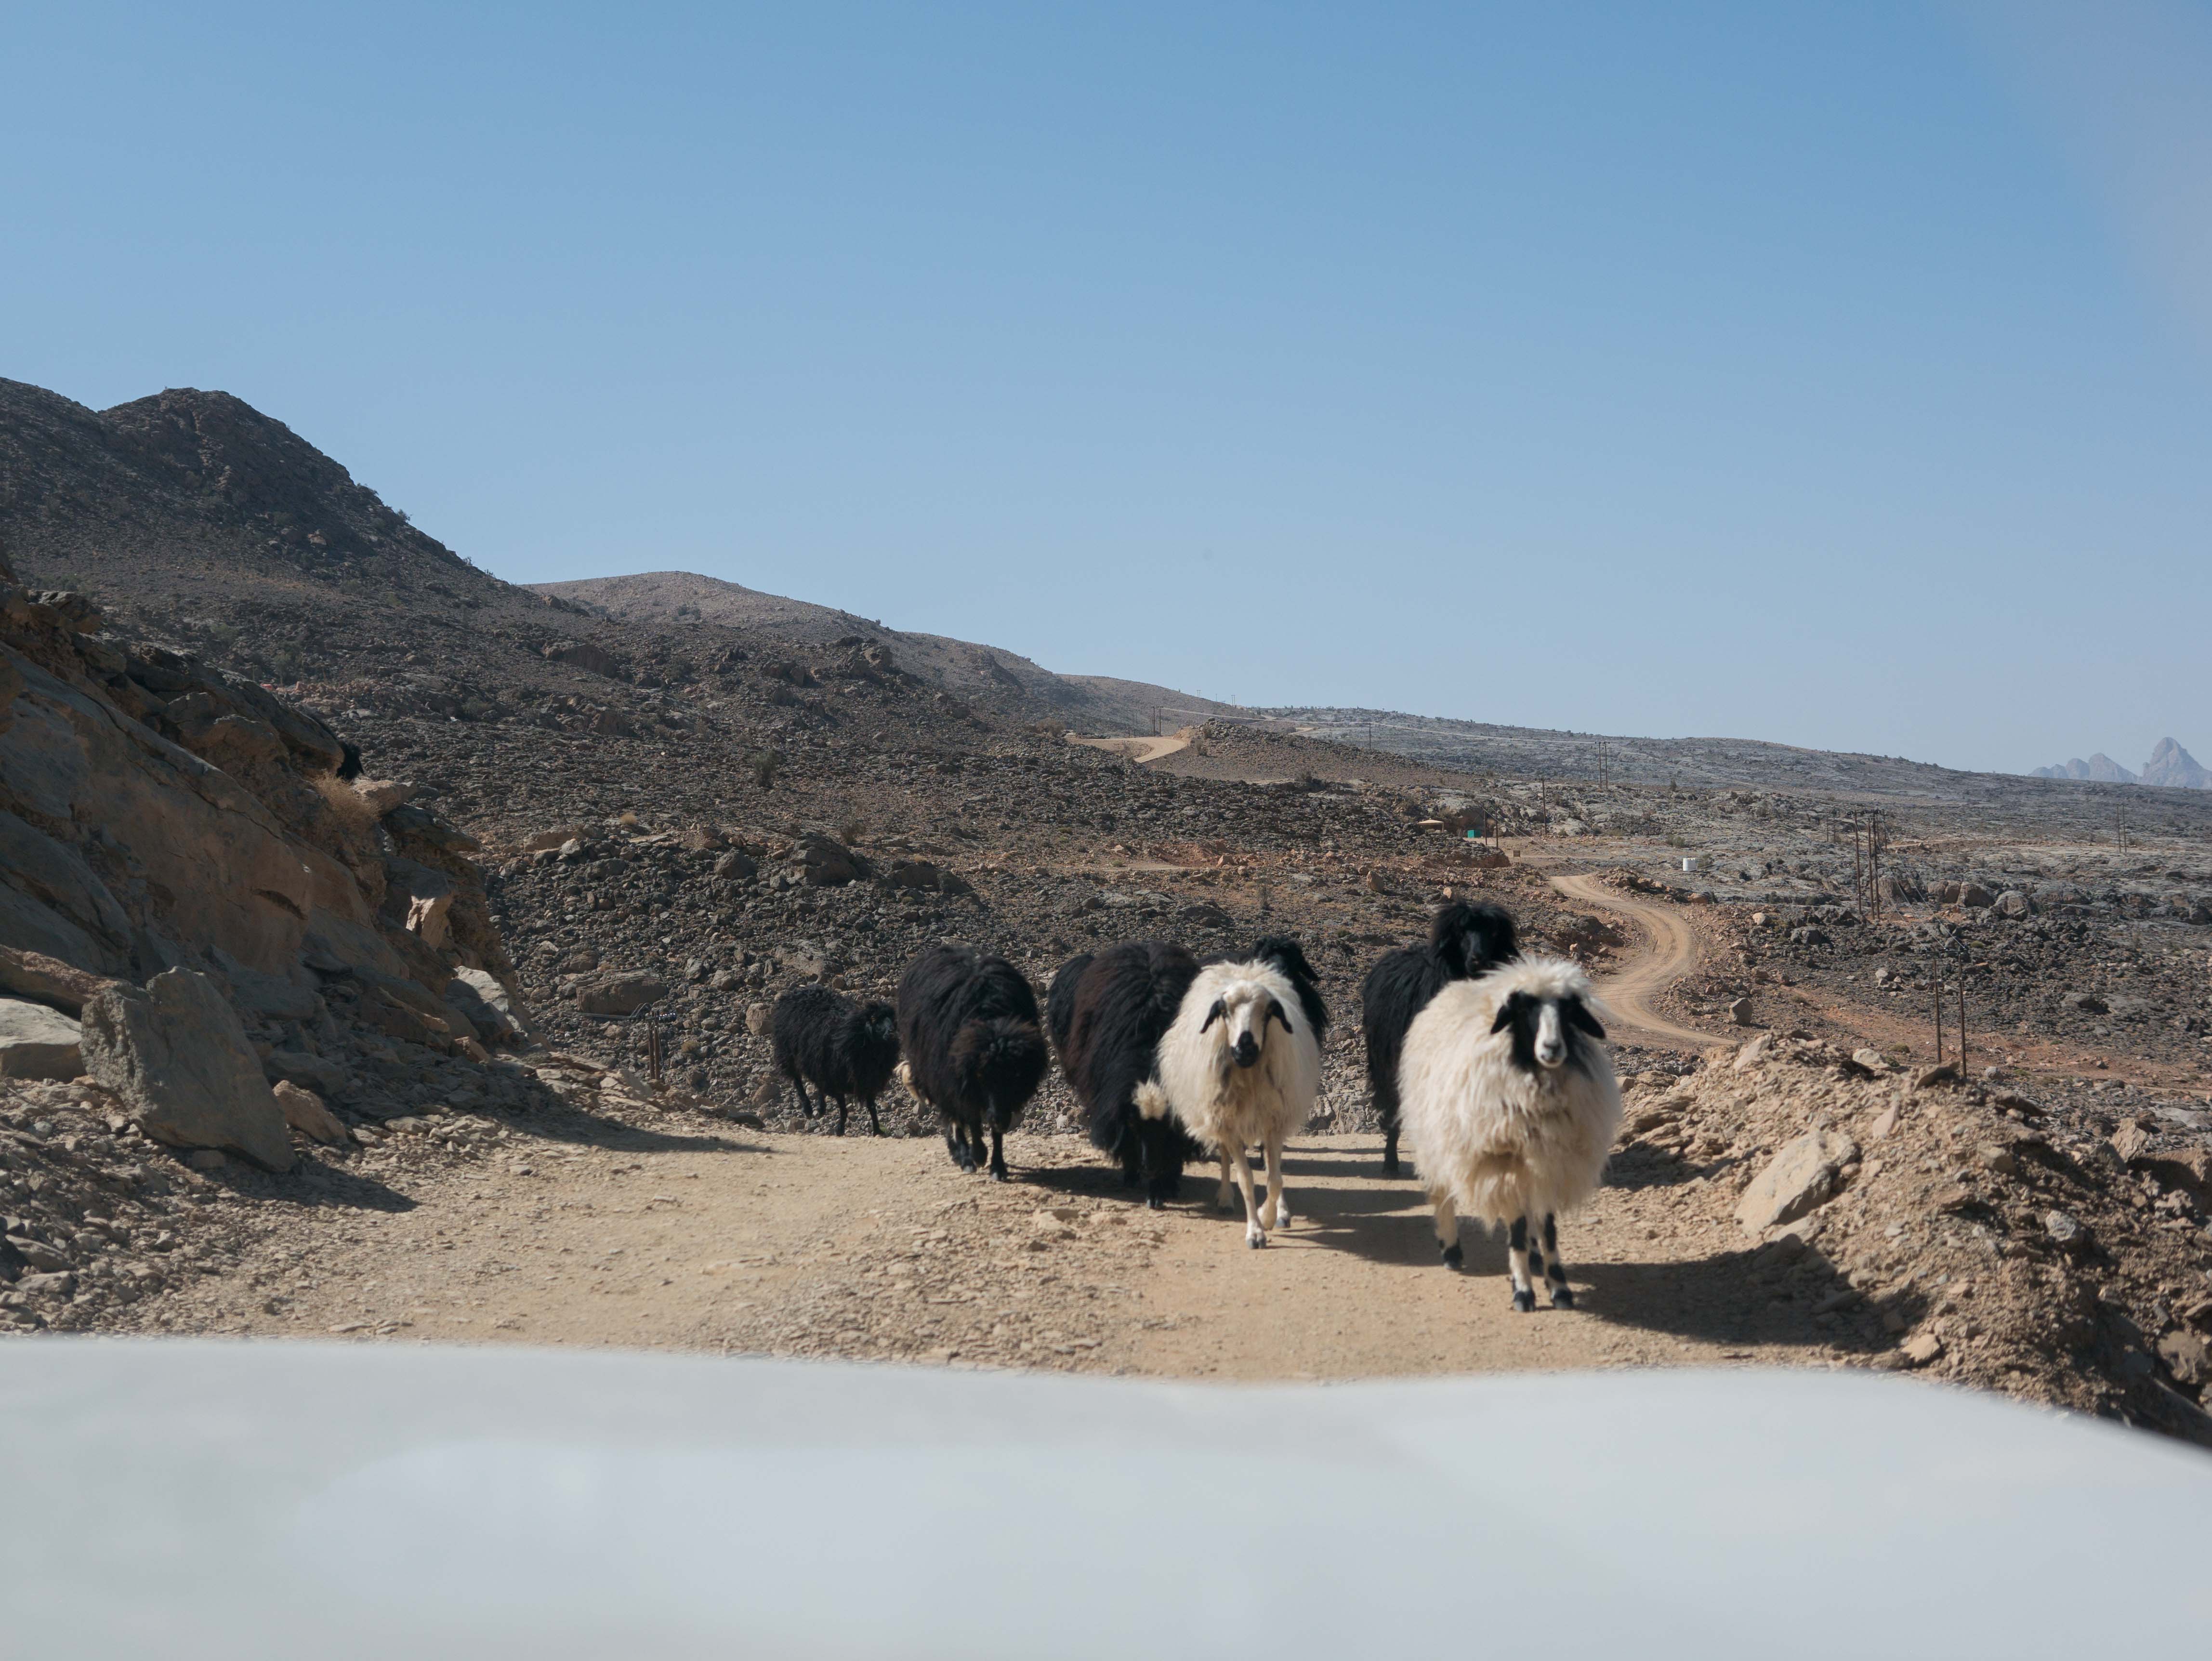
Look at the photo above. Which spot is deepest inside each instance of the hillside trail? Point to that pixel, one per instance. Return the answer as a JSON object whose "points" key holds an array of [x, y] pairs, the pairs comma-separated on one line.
{"points": [[1672, 951], [1138, 750], [582, 1230]]}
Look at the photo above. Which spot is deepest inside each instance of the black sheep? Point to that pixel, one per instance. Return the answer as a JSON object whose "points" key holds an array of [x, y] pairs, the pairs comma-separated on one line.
{"points": [[1464, 942], [975, 1050], [1109, 1014], [846, 1049], [1287, 955], [1059, 1005]]}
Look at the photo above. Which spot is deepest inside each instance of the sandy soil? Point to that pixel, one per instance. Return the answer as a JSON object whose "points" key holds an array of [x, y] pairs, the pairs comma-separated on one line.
{"points": [[601, 1234]]}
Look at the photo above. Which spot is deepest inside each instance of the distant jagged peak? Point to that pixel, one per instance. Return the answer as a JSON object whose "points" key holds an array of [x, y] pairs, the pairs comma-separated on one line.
{"points": [[2170, 766], [2100, 769], [2173, 766]]}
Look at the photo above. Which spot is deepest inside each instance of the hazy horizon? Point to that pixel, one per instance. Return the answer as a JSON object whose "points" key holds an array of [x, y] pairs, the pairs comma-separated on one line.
{"points": [[1835, 379]]}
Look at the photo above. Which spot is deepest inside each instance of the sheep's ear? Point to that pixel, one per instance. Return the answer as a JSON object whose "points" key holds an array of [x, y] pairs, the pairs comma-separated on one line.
{"points": [[1220, 1008], [1275, 1013], [1509, 1011], [1578, 1015]]}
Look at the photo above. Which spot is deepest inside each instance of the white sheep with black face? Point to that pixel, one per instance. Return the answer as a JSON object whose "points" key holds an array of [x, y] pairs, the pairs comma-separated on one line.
{"points": [[1510, 1106], [1240, 1067]]}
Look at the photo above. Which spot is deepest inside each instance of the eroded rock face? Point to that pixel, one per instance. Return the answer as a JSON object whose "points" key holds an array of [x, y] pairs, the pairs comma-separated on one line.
{"points": [[178, 1059], [184, 855]]}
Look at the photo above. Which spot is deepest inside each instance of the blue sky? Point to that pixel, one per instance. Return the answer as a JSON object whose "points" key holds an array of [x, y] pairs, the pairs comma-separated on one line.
{"points": [[1835, 374]]}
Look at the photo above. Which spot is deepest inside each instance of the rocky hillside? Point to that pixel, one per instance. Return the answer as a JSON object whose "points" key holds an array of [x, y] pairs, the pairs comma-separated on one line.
{"points": [[1087, 704]]}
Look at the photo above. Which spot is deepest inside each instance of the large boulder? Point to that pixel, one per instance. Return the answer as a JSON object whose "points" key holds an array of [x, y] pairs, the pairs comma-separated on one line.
{"points": [[923, 874], [304, 1111], [619, 994], [490, 1007], [1801, 1177], [38, 1043], [177, 1057], [825, 862]]}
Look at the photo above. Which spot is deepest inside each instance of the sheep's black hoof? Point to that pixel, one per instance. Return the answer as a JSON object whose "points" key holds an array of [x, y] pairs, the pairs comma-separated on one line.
{"points": [[1525, 1302], [1453, 1257], [1390, 1164], [1001, 1176], [1563, 1297], [1152, 1203]]}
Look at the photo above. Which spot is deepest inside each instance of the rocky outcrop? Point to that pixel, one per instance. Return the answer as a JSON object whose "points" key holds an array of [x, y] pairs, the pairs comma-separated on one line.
{"points": [[155, 813]]}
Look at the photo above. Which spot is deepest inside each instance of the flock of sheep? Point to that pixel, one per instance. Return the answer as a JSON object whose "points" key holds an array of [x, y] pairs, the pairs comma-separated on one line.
{"points": [[1492, 1065]]}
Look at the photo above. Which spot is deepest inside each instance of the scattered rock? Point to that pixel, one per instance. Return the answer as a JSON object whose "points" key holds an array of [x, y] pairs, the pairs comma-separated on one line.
{"points": [[1922, 1347], [2065, 1231]]}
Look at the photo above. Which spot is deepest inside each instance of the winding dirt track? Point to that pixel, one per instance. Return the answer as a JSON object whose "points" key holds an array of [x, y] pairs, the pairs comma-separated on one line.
{"points": [[1672, 954], [1138, 750]]}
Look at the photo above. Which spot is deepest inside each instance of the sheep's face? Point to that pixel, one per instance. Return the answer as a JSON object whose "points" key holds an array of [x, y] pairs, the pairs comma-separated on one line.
{"points": [[1545, 1030], [1243, 1011]]}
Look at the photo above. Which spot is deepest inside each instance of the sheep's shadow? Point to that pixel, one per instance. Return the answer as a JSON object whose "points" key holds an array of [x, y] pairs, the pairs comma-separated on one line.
{"points": [[1710, 1297], [1639, 1167]]}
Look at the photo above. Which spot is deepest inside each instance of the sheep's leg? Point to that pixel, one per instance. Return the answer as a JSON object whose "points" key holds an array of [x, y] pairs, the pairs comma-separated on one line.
{"points": [[998, 1153], [1159, 1142], [956, 1142], [799, 1084], [841, 1115], [1276, 1214], [1390, 1145], [875, 1124], [1555, 1275], [1226, 1192], [1254, 1235], [1516, 1265], [1446, 1226]]}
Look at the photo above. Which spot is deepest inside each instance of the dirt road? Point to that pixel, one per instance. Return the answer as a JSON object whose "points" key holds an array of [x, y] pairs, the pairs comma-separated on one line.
{"points": [[594, 1233], [1138, 750], [1672, 953], [576, 1229]]}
